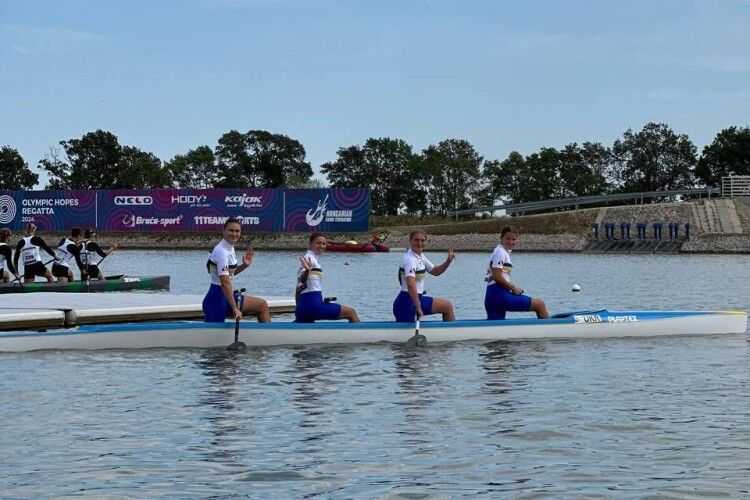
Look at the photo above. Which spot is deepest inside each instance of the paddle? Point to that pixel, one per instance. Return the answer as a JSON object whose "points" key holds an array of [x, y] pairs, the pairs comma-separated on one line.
{"points": [[237, 346], [416, 340]]}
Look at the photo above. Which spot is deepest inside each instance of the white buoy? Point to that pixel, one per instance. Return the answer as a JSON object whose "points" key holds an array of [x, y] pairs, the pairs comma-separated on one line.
{"points": [[575, 288]]}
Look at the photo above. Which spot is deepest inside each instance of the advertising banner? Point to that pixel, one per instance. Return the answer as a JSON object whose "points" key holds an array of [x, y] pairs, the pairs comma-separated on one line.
{"points": [[49, 210], [336, 209], [266, 210], [190, 209]]}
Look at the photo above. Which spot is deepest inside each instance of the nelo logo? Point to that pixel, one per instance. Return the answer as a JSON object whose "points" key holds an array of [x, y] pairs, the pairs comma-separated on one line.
{"points": [[134, 200]]}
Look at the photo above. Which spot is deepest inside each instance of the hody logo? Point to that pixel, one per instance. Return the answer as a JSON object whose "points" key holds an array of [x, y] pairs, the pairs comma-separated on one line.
{"points": [[244, 200], [134, 200], [189, 199], [316, 216]]}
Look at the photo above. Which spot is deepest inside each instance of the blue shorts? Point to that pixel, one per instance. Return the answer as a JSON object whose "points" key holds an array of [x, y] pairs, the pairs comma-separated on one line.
{"points": [[498, 300], [311, 307], [403, 307], [215, 305]]}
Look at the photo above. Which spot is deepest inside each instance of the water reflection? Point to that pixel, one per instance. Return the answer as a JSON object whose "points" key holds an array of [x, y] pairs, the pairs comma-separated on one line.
{"points": [[221, 403]]}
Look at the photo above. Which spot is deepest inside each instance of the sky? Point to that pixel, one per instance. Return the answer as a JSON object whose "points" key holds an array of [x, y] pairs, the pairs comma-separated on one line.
{"points": [[170, 75]]}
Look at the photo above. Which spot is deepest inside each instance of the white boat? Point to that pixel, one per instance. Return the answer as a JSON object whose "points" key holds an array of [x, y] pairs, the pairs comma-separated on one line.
{"points": [[582, 324]]}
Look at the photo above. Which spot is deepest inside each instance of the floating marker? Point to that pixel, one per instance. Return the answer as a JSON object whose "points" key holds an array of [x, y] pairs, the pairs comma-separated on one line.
{"points": [[575, 288]]}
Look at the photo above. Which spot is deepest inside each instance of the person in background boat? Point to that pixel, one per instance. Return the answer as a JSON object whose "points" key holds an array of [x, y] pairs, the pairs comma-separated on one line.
{"points": [[502, 295], [29, 246], [412, 301], [378, 238], [7, 269], [68, 249], [309, 295], [220, 300], [91, 256]]}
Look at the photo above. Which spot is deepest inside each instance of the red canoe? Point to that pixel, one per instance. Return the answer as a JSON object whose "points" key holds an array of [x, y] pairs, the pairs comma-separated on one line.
{"points": [[355, 247]]}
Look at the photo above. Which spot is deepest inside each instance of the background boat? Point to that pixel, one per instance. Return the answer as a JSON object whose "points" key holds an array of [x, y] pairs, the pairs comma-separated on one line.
{"points": [[118, 283], [332, 246]]}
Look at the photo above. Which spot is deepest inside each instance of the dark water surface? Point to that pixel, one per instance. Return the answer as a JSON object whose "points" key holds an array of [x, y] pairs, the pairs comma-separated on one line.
{"points": [[668, 417]]}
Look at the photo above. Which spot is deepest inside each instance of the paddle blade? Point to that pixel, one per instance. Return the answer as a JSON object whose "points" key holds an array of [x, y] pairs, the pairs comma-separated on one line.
{"points": [[237, 347], [416, 340]]}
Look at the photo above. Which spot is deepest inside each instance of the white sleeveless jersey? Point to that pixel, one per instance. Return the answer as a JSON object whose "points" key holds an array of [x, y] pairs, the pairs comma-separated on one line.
{"points": [[500, 260], [63, 254], [223, 261], [313, 277], [2, 257], [30, 252], [415, 265]]}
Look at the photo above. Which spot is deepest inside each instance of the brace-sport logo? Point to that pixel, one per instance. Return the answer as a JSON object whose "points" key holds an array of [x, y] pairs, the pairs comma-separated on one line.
{"points": [[7, 209]]}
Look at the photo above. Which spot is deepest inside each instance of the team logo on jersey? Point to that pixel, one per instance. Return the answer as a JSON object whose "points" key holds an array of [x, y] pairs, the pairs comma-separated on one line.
{"points": [[316, 216], [7, 209]]}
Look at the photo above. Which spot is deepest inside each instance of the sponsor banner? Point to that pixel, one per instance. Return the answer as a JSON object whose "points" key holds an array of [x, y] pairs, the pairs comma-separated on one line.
{"points": [[49, 210], [190, 209], [335, 209]]}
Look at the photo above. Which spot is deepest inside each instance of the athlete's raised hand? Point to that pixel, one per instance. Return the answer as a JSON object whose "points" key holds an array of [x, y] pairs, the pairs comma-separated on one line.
{"points": [[247, 259]]}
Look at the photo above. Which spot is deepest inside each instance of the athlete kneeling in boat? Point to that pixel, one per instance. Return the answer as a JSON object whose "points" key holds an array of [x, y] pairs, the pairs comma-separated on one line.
{"points": [[68, 250], [309, 295], [412, 301], [92, 255], [220, 301], [6, 260], [502, 295], [29, 247]]}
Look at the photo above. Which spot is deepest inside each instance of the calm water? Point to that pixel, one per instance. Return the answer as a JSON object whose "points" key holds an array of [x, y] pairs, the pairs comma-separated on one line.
{"points": [[563, 419]]}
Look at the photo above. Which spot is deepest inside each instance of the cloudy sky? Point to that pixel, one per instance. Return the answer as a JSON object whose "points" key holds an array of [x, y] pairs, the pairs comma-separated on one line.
{"points": [[167, 76]]}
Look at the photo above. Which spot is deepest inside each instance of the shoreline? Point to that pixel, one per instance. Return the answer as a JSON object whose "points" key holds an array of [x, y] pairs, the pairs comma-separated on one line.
{"points": [[462, 242]]}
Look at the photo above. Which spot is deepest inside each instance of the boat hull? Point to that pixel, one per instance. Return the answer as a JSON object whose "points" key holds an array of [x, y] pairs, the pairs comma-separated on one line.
{"points": [[119, 283], [357, 248], [600, 324]]}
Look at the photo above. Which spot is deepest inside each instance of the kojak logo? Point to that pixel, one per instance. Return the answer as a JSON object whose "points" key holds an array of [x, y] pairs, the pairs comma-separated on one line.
{"points": [[134, 200], [244, 200], [7, 209]]}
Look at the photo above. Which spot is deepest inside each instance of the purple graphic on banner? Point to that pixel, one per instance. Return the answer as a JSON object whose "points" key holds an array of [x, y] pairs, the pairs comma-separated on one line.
{"points": [[190, 209], [49, 210], [336, 209]]}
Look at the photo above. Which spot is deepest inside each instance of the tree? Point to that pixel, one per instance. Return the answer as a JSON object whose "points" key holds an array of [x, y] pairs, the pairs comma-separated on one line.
{"points": [[260, 159], [518, 179], [728, 154], [14, 171], [388, 167], [583, 169], [653, 159], [453, 173], [98, 161], [195, 169], [139, 169]]}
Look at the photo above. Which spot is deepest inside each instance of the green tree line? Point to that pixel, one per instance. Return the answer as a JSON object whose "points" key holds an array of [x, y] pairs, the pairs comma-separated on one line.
{"points": [[443, 177]]}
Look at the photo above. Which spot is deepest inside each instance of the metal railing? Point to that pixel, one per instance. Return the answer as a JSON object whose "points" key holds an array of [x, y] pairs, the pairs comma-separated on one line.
{"points": [[533, 206], [735, 185]]}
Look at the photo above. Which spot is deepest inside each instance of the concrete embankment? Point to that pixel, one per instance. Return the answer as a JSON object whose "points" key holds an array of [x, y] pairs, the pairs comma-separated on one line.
{"points": [[716, 226]]}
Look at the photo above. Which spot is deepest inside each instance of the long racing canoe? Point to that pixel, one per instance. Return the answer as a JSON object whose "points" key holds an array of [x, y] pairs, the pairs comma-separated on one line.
{"points": [[581, 324], [119, 283]]}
